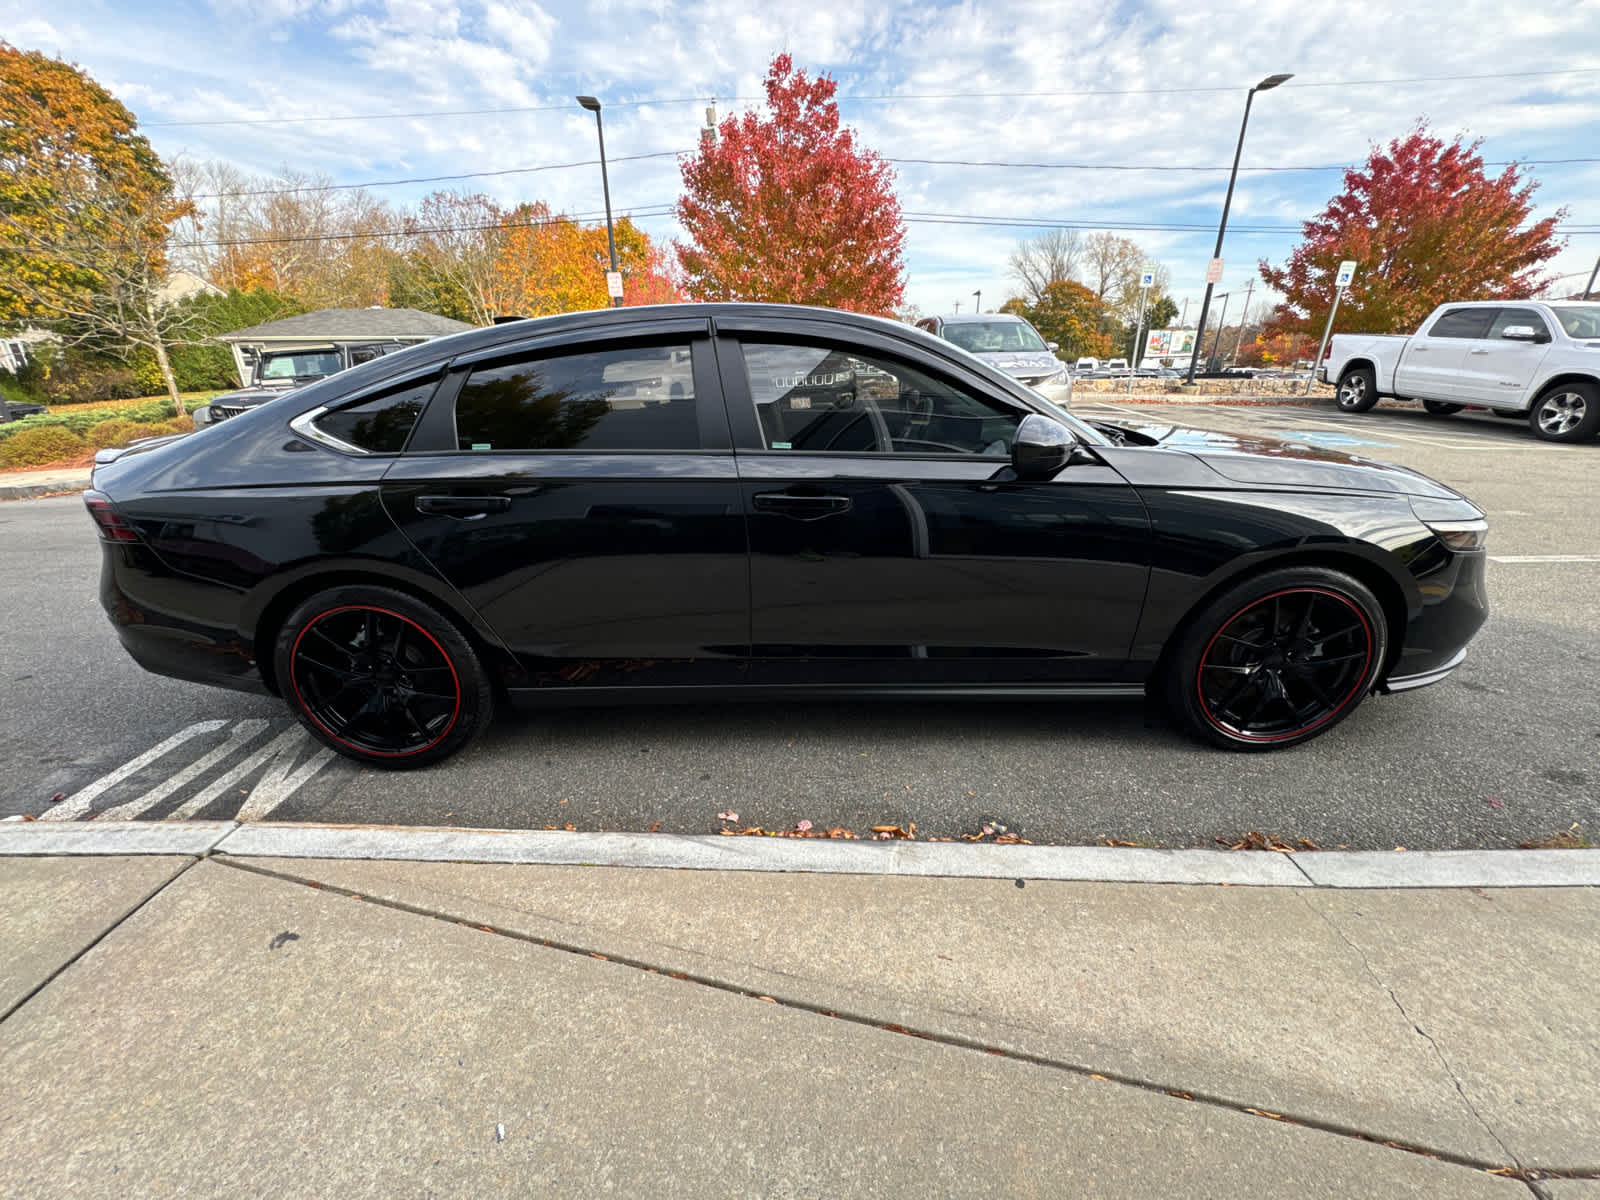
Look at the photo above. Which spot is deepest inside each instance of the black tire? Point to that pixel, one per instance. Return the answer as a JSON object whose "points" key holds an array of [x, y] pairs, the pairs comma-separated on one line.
{"points": [[381, 677], [1277, 659], [1441, 408], [1358, 390], [1568, 412]]}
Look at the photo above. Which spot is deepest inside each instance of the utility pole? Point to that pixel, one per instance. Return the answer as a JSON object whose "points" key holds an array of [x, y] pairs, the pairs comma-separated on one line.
{"points": [[1239, 341], [978, 297], [958, 306], [1589, 287]]}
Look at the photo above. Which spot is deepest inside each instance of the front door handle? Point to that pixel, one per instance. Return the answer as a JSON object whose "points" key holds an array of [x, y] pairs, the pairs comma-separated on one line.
{"points": [[800, 506], [1477, 352], [463, 508]]}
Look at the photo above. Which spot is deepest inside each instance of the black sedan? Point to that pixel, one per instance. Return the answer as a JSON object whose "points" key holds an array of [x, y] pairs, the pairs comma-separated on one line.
{"points": [[698, 501]]}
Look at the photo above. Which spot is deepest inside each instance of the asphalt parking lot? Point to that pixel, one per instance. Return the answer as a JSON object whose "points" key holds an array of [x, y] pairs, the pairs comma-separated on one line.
{"points": [[1506, 751]]}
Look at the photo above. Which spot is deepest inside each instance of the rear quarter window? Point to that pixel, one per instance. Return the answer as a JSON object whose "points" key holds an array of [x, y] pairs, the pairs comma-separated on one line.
{"points": [[381, 424]]}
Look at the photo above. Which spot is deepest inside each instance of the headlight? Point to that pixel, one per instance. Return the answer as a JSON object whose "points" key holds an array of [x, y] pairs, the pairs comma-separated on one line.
{"points": [[202, 415], [1459, 524]]}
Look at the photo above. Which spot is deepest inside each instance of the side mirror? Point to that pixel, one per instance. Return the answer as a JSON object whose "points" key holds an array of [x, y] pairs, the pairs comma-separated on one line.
{"points": [[1052, 346], [1520, 333], [1041, 448]]}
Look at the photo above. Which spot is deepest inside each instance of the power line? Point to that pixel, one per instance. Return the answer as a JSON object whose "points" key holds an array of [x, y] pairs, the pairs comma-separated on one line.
{"points": [[887, 97], [376, 183], [346, 236], [937, 162]]}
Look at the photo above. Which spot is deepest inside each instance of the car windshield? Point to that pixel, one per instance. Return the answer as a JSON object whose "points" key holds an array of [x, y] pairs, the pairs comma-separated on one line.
{"points": [[1579, 320], [990, 337], [297, 366]]}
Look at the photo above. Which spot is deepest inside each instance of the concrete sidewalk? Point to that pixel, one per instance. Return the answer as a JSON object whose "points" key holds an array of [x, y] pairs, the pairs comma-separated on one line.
{"points": [[179, 1023], [25, 485]]}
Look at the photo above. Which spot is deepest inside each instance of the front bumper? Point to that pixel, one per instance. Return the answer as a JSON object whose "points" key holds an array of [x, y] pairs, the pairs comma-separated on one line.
{"points": [[1455, 604]]}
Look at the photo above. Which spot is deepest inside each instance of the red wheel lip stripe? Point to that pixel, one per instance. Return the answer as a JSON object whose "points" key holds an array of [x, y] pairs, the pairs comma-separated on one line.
{"points": [[305, 708], [1332, 713]]}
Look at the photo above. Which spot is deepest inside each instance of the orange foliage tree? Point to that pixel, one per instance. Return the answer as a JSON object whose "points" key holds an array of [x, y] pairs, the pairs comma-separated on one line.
{"points": [[1425, 225], [553, 264]]}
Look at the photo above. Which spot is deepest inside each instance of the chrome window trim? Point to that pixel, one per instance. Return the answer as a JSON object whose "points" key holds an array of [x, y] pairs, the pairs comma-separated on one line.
{"points": [[305, 426]]}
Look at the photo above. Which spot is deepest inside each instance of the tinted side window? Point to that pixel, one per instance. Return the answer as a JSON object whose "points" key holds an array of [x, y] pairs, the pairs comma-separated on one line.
{"points": [[631, 398], [381, 424], [818, 398], [1518, 316], [1463, 323]]}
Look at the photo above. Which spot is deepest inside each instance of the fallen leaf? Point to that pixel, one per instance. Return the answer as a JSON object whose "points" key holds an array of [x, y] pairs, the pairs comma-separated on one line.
{"points": [[886, 832], [730, 815], [1101, 1078], [803, 825], [1493, 802], [655, 826]]}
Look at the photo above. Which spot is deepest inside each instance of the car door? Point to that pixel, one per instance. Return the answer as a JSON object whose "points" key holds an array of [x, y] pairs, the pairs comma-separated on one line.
{"points": [[584, 499], [891, 542], [1499, 371], [1430, 364]]}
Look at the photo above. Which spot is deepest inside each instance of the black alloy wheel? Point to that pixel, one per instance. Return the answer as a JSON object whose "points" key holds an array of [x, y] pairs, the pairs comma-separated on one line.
{"points": [[381, 677], [1568, 412], [1358, 390], [1441, 408], [1278, 659]]}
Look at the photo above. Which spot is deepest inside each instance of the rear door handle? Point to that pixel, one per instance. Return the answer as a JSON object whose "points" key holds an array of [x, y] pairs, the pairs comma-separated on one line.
{"points": [[463, 508], [801, 507], [1477, 352]]}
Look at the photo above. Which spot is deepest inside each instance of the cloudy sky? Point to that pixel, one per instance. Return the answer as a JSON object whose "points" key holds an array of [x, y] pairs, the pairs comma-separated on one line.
{"points": [[1135, 105]]}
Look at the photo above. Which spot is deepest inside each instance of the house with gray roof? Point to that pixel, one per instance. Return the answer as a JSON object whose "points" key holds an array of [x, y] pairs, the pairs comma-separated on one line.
{"points": [[337, 327]]}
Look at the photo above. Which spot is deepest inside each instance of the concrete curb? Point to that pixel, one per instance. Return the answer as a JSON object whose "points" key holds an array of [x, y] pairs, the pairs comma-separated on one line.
{"points": [[28, 491], [1089, 864], [42, 838]]}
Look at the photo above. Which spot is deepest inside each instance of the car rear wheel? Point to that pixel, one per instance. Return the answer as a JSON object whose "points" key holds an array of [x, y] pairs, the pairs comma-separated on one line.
{"points": [[381, 677], [1358, 390], [1278, 659], [1441, 408], [1568, 412]]}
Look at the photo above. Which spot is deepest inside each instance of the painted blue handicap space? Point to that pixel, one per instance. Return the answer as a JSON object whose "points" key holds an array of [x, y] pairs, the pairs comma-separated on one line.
{"points": [[1329, 440]]}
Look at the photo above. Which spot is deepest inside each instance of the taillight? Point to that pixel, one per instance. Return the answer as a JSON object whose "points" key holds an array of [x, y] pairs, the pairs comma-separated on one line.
{"points": [[107, 519]]}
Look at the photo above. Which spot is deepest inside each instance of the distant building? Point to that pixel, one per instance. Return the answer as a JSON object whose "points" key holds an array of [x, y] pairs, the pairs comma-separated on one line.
{"points": [[336, 327], [180, 285]]}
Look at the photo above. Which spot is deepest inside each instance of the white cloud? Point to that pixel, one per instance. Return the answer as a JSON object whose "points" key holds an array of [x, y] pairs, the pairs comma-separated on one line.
{"points": [[316, 58]]}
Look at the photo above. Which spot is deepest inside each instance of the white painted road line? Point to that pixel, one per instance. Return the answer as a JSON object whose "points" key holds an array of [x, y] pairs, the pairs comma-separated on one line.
{"points": [[1545, 558], [77, 804], [241, 733], [278, 782]]}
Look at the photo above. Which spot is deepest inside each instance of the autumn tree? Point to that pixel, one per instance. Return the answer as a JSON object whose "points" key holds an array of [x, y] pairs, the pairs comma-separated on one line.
{"points": [[85, 209], [553, 264], [1424, 224], [1068, 314], [787, 207], [1052, 257]]}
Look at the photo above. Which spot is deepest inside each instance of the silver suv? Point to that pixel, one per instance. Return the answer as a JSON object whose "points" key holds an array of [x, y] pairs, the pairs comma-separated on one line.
{"points": [[1011, 344]]}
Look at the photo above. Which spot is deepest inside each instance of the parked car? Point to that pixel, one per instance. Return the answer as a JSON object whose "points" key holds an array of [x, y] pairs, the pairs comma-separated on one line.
{"points": [[1518, 358], [15, 410], [278, 372], [1087, 363], [723, 501], [1011, 344]]}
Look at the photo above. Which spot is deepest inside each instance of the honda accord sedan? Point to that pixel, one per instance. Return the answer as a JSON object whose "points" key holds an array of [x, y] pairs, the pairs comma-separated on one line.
{"points": [[743, 500]]}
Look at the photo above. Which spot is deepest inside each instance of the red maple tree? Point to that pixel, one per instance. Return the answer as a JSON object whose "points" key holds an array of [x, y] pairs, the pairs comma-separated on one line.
{"points": [[786, 207], [1425, 225]]}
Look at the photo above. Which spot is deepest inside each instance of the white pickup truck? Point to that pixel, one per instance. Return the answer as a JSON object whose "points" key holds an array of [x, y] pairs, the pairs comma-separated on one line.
{"points": [[1520, 358]]}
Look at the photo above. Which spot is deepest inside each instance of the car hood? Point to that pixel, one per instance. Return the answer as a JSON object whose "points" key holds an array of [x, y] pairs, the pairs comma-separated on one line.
{"points": [[1018, 364], [1279, 462], [251, 395]]}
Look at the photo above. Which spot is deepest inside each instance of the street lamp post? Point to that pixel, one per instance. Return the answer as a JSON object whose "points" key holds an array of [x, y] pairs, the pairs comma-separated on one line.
{"points": [[1589, 287], [593, 106], [1222, 327], [1266, 85], [978, 297]]}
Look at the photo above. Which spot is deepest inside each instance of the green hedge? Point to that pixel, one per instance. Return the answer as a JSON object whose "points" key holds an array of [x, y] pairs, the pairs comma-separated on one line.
{"points": [[42, 444], [80, 423]]}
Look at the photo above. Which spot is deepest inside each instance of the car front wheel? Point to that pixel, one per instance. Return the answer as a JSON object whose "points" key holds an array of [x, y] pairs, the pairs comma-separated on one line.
{"points": [[382, 677], [1568, 412], [1358, 390], [1277, 659]]}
